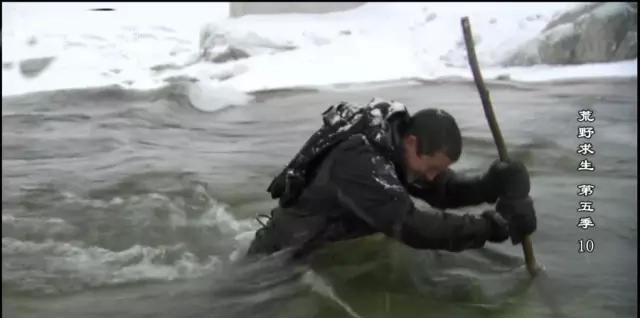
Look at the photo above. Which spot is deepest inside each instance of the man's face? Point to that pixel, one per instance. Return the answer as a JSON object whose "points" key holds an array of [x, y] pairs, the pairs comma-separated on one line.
{"points": [[423, 166]]}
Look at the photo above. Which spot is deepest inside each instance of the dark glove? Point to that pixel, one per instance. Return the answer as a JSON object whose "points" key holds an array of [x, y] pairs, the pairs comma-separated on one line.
{"points": [[520, 215], [508, 179], [498, 226]]}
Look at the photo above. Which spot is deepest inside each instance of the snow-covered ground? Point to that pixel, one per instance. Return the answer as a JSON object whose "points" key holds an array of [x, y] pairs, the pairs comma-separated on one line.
{"points": [[145, 45]]}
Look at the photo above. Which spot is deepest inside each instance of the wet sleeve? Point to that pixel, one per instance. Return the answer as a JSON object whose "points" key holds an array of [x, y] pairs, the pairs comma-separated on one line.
{"points": [[367, 185], [452, 190]]}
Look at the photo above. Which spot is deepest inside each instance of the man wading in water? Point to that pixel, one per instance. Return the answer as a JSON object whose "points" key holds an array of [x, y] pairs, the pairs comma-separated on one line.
{"points": [[355, 175]]}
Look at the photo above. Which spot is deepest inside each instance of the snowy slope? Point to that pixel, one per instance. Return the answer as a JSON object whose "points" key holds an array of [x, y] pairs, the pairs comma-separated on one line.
{"points": [[144, 46]]}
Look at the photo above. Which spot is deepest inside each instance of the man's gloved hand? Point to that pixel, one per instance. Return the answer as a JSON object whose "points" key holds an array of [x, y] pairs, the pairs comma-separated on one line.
{"points": [[509, 179], [498, 226], [520, 215]]}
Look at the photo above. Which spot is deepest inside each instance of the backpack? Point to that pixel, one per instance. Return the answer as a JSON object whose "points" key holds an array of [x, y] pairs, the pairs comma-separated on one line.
{"points": [[339, 123]]}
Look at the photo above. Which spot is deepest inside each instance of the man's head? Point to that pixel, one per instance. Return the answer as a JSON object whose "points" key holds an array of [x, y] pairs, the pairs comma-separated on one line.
{"points": [[432, 142]]}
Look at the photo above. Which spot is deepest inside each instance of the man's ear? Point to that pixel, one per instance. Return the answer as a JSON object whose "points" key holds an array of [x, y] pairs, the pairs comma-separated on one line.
{"points": [[411, 141]]}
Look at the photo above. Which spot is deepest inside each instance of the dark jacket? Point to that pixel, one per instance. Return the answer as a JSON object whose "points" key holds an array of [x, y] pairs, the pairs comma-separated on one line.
{"points": [[356, 191]]}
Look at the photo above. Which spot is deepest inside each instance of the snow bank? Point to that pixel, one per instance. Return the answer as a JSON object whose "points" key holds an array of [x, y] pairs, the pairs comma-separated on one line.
{"points": [[99, 48], [145, 46]]}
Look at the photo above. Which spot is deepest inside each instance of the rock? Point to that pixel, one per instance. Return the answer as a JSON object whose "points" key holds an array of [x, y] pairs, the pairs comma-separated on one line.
{"points": [[164, 67], [603, 30], [33, 67], [526, 55], [211, 36], [503, 77], [215, 37], [591, 33], [225, 77], [571, 15], [558, 45], [345, 32], [180, 79], [628, 48], [32, 41], [229, 54]]}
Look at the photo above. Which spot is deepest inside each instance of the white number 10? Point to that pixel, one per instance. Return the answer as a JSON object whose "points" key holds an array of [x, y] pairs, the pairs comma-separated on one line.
{"points": [[585, 246]]}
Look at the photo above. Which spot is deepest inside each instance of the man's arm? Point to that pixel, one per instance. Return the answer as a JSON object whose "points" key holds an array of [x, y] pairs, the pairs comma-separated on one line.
{"points": [[452, 190], [508, 179], [366, 183]]}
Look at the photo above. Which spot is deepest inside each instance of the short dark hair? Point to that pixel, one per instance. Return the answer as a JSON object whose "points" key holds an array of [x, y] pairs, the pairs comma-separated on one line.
{"points": [[436, 130]]}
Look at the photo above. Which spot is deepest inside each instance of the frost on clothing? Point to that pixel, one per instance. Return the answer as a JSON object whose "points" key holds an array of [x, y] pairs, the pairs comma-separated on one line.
{"points": [[384, 173], [356, 191], [339, 123], [349, 180]]}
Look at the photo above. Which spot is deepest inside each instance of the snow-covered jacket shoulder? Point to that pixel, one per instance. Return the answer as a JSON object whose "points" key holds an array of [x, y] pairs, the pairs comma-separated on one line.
{"points": [[339, 123]]}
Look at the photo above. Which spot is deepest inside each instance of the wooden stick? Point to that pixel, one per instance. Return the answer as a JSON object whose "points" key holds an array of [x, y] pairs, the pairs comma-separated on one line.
{"points": [[527, 245]]}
